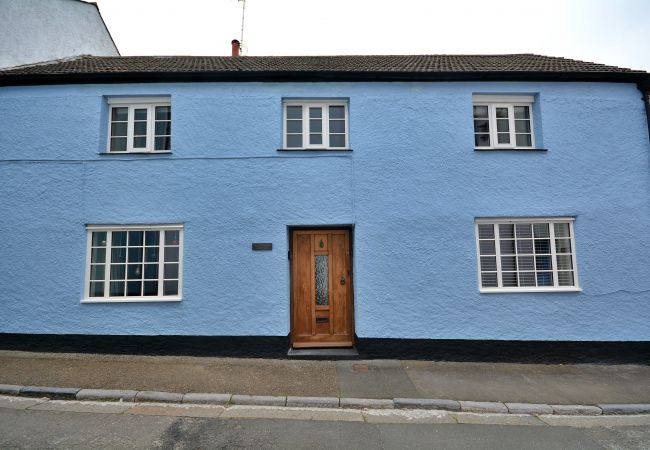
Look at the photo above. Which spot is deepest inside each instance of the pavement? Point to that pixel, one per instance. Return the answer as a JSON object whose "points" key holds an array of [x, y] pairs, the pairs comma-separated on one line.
{"points": [[552, 384]]}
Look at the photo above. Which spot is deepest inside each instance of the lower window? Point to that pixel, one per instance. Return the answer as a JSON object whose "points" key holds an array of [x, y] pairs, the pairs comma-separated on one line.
{"points": [[526, 254], [134, 263]]}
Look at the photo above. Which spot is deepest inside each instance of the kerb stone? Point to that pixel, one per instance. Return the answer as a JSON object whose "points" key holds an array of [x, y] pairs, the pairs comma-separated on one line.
{"points": [[156, 396], [50, 392], [576, 410], [107, 394], [529, 408], [368, 403], [313, 402], [207, 399], [483, 407], [426, 403], [261, 400], [10, 389], [625, 408]]}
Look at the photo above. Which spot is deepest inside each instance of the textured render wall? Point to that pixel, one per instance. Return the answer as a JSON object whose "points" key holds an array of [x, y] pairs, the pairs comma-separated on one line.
{"points": [[42, 30], [412, 188]]}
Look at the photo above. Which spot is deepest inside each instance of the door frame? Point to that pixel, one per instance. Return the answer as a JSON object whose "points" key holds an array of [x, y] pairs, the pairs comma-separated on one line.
{"points": [[350, 230]]}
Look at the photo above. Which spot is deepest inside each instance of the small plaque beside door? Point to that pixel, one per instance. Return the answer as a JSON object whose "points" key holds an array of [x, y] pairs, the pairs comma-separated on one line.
{"points": [[262, 246]]}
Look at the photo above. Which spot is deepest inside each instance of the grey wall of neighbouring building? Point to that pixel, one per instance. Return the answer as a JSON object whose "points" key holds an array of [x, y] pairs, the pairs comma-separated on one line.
{"points": [[43, 30]]}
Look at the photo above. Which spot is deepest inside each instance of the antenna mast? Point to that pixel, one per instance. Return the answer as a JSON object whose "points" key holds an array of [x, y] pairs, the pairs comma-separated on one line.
{"points": [[243, 12]]}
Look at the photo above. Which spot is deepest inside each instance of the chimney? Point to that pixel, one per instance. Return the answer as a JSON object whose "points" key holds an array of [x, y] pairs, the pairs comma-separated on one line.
{"points": [[236, 47]]}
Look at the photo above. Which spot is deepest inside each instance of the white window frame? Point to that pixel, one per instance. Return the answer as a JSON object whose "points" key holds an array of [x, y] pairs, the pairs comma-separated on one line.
{"points": [[504, 101], [132, 299], [150, 103], [324, 104], [533, 220]]}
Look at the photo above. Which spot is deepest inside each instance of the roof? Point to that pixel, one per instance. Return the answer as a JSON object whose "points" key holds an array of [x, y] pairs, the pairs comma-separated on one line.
{"points": [[92, 69]]}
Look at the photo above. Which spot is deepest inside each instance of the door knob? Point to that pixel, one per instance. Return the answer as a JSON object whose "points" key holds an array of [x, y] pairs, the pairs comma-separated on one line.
{"points": [[342, 280]]}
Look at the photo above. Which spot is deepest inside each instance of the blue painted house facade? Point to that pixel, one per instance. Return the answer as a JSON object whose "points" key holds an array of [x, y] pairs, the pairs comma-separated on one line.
{"points": [[383, 201]]}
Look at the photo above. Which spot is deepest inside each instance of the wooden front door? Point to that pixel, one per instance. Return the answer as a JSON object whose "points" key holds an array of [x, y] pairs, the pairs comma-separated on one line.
{"points": [[322, 314]]}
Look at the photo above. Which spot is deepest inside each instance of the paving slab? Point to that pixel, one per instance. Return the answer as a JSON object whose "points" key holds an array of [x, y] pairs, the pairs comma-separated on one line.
{"points": [[176, 410], [82, 407], [270, 412], [374, 379], [497, 419], [403, 416], [595, 421], [19, 402]]}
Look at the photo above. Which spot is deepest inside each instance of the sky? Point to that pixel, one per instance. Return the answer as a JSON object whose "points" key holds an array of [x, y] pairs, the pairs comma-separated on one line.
{"points": [[615, 32]]}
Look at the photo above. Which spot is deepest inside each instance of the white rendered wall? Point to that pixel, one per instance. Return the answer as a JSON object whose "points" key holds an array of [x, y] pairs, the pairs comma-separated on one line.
{"points": [[43, 30]]}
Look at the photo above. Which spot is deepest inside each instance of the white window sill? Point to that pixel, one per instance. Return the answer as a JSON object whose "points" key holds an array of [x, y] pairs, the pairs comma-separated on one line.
{"points": [[509, 149], [158, 152], [132, 300], [528, 290], [315, 149]]}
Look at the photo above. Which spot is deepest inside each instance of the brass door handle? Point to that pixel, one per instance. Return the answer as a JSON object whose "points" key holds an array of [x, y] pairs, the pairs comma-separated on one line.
{"points": [[342, 280]]}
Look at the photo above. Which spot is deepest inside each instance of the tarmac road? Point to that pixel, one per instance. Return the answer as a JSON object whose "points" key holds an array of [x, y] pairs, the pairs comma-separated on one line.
{"points": [[62, 429]]}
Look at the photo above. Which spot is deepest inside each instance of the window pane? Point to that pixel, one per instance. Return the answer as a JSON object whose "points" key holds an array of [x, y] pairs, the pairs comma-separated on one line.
{"points": [[526, 262], [544, 278], [171, 271], [522, 126], [524, 140], [480, 111], [486, 231], [118, 255], [118, 145], [97, 271], [163, 128], [509, 279], [337, 140], [542, 246], [171, 254], [150, 288], [134, 288], [170, 288], [561, 229], [294, 112], [135, 237], [525, 246], [140, 128], [337, 126], [563, 246], [482, 140], [98, 255], [564, 262], [565, 279], [151, 254], [119, 239], [508, 263], [171, 237], [118, 271], [120, 113], [337, 112], [315, 139], [99, 239], [163, 143], [151, 271], [524, 230], [163, 112], [315, 112], [294, 140], [507, 246], [140, 142], [96, 289], [315, 125], [540, 230], [489, 280], [134, 271], [502, 113], [543, 263], [135, 254], [503, 125], [506, 230], [119, 128], [527, 279], [117, 289], [140, 114], [503, 138], [481, 126], [152, 237], [322, 284], [489, 263], [294, 126], [522, 112], [487, 248]]}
